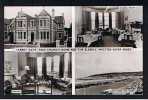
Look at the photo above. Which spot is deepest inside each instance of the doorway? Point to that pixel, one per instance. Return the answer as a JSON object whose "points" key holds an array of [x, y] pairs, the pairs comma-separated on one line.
{"points": [[32, 36], [11, 37]]}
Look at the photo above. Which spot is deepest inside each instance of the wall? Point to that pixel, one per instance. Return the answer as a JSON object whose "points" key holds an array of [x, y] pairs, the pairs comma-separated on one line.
{"points": [[22, 62], [134, 13], [12, 57], [78, 19], [105, 62]]}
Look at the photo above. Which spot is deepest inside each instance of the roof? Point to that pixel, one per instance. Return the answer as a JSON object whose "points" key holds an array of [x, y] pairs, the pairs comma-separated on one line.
{"points": [[44, 13], [7, 21], [59, 19], [21, 13]]}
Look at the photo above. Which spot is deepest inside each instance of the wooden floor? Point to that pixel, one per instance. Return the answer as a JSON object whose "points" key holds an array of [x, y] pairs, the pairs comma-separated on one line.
{"points": [[109, 42]]}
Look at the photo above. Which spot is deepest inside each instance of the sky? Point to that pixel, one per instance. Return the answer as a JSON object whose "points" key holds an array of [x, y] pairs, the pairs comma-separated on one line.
{"points": [[107, 62], [11, 11]]}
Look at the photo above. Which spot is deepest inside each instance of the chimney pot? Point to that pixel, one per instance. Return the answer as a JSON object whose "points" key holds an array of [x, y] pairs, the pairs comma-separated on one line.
{"points": [[53, 12]]}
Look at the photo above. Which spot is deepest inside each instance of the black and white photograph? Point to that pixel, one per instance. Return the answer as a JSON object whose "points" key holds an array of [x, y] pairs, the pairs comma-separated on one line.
{"points": [[109, 26], [37, 26], [73, 50], [37, 73], [109, 73]]}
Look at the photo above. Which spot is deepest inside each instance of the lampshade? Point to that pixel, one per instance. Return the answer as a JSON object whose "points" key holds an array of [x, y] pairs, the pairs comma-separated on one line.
{"points": [[27, 67]]}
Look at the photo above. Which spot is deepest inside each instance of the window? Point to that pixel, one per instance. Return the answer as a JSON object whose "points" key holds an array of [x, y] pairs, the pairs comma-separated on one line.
{"points": [[24, 24], [47, 35], [44, 35], [100, 14], [92, 20], [20, 35], [60, 35], [106, 20], [32, 23], [6, 35], [29, 25], [8, 67], [41, 23], [47, 22], [113, 19], [44, 22], [19, 23], [41, 35], [60, 25], [24, 35]]}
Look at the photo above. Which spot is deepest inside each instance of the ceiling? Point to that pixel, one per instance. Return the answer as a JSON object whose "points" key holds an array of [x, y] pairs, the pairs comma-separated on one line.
{"points": [[104, 8]]}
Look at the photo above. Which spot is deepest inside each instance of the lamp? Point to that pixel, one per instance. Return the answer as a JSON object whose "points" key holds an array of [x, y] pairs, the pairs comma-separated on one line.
{"points": [[27, 68]]}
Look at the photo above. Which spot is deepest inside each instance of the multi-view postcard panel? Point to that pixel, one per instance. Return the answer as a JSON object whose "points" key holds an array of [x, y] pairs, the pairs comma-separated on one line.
{"points": [[33, 67], [109, 26], [37, 73], [37, 27], [109, 73]]}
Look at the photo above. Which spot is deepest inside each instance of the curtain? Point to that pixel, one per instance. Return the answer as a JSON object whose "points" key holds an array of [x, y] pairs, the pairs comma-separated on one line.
{"points": [[110, 20], [61, 65], [103, 20], [44, 71], [39, 66], [70, 65], [96, 21], [48, 63], [32, 63]]}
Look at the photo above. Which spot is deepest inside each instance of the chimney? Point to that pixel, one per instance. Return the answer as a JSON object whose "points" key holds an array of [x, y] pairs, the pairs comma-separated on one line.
{"points": [[63, 18], [36, 15], [20, 12], [53, 12], [63, 14]]}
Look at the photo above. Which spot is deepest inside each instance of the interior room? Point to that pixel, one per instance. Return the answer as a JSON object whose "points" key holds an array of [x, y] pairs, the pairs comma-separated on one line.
{"points": [[109, 26], [31, 73]]}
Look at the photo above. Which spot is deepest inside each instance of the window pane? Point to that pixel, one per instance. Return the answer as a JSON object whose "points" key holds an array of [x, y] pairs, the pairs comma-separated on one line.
{"points": [[47, 35], [24, 24], [20, 23], [18, 33], [32, 24], [24, 35], [113, 19], [106, 20], [44, 22], [100, 19], [41, 35], [92, 20], [21, 35], [44, 35], [40, 22]]}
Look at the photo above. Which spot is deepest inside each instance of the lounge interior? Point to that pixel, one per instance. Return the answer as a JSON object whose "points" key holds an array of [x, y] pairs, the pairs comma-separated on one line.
{"points": [[109, 26], [47, 73]]}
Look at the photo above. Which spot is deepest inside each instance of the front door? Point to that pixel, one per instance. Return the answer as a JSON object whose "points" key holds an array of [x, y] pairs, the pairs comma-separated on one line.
{"points": [[32, 36], [11, 37]]}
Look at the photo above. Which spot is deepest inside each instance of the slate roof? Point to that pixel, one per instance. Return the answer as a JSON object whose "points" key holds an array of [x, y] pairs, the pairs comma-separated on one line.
{"points": [[44, 13], [24, 14], [7, 21], [59, 19]]}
